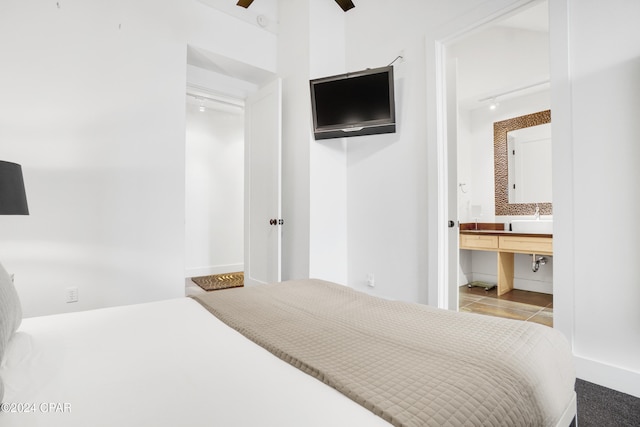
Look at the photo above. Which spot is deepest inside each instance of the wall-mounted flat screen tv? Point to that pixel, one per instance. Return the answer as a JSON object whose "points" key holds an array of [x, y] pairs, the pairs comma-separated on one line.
{"points": [[354, 104]]}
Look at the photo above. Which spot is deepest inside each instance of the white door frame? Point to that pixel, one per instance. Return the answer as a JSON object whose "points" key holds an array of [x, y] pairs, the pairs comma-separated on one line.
{"points": [[454, 31], [564, 295]]}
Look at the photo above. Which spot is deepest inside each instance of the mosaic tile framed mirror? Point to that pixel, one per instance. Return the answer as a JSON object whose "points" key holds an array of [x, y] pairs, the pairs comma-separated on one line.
{"points": [[535, 160]]}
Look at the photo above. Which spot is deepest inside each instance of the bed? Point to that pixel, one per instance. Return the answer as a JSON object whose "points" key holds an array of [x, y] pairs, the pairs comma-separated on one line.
{"points": [[257, 362]]}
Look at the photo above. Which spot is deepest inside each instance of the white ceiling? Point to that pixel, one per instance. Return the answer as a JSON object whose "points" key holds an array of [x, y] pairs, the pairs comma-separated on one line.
{"points": [[503, 56], [263, 13]]}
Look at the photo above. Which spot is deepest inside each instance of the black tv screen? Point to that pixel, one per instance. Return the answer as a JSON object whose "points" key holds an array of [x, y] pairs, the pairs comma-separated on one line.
{"points": [[353, 104]]}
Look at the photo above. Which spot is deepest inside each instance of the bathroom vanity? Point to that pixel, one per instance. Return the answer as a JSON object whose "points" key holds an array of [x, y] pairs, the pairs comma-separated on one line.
{"points": [[506, 244]]}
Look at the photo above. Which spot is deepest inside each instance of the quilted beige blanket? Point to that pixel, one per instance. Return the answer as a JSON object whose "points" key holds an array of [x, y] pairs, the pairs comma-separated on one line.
{"points": [[410, 364]]}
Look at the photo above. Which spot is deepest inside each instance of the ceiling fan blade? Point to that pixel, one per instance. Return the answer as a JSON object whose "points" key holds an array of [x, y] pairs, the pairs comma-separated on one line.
{"points": [[346, 4], [244, 3]]}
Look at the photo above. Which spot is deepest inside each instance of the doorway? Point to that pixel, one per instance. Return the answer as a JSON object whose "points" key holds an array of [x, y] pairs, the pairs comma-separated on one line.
{"points": [[214, 186], [233, 156], [494, 72]]}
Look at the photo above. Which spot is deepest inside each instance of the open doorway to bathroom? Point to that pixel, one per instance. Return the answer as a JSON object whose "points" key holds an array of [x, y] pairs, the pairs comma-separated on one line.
{"points": [[502, 72]]}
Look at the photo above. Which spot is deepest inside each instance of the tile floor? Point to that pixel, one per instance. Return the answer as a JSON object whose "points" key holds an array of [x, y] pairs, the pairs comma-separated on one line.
{"points": [[517, 304]]}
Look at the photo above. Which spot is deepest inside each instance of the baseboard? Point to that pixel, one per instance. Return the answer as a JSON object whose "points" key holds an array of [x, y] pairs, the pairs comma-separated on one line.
{"points": [[518, 283], [613, 377], [533, 286], [216, 269]]}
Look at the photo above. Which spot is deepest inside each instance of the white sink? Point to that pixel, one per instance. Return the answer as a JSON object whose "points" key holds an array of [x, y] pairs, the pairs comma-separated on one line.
{"points": [[535, 226]]}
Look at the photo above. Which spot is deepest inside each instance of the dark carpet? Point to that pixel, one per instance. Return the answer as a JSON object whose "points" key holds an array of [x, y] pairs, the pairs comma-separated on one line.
{"points": [[602, 407]]}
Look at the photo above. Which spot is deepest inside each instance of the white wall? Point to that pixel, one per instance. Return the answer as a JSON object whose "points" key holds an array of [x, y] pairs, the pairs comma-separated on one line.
{"points": [[387, 174], [214, 201], [101, 148], [293, 68], [599, 235], [314, 173], [328, 169], [93, 107], [235, 35]]}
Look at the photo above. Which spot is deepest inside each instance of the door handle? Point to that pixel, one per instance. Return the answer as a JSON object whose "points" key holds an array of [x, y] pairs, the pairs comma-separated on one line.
{"points": [[451, 224]]}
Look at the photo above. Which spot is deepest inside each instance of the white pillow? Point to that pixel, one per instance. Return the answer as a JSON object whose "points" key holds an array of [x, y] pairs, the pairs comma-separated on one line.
{"points": [[10, 314]]}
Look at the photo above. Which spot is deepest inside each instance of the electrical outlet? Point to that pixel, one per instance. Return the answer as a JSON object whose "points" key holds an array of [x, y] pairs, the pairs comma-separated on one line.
{"points": [[72, 294], [371, 280]]}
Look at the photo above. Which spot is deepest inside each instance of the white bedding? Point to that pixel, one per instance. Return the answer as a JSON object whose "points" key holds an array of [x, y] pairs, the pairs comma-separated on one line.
{"points": [[148, 365], [411, 364]]}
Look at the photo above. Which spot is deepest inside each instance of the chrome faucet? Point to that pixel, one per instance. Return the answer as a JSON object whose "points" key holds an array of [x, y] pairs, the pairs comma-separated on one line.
{"points": [[537, 214]]}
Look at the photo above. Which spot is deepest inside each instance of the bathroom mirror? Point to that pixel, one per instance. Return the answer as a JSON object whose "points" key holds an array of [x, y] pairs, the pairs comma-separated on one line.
{"points": [[530, 175], [529, 152]]}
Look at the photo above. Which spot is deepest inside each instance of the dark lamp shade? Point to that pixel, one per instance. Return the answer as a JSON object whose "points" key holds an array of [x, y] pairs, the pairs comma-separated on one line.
{"points": [[13, 200]]}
